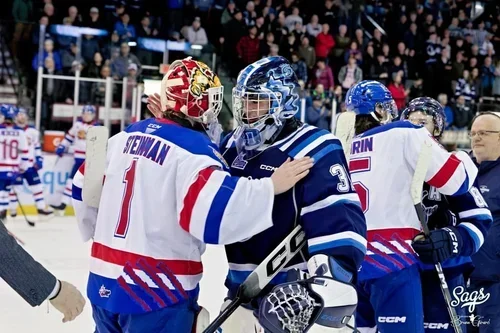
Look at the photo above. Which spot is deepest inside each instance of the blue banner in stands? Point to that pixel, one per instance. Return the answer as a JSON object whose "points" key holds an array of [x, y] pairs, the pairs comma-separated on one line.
{"points": [[158, 45], [69, 30]]}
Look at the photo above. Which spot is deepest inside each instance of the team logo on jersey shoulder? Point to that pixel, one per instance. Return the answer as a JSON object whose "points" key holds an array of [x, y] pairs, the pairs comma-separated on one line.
{"points": [[103, 292], [239, 163], [82, 134], [219, 156]]}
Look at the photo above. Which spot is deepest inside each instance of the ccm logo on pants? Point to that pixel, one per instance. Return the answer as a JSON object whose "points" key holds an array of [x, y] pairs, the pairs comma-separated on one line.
{"points": [[391, 320], [437, 326]]}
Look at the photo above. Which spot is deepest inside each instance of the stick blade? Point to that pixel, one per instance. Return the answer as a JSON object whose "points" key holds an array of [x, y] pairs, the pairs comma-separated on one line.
{"points": [[417, 183], [345, 131], [95, 165]]}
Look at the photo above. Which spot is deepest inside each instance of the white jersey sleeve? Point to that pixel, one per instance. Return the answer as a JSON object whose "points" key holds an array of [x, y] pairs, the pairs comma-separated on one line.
{"points": [[451, 174]]}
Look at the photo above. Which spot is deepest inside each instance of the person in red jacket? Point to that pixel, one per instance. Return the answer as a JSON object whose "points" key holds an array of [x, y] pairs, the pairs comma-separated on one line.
{"points": [[324, 42], [398, 91], [248, 47]]}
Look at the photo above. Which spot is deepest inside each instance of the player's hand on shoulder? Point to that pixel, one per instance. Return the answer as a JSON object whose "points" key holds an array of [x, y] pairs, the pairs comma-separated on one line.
{"points": [[69, 301], [60, 150], [289, 173], [440, 245]]}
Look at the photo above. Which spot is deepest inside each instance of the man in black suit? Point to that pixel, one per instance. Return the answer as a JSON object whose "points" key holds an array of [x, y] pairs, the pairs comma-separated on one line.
{"points": [[33, 282]]}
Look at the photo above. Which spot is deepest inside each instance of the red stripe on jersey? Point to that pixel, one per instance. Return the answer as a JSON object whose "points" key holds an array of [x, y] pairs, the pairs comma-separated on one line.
{"points": [[362, 164], [9, 164], [119, 257], [79, 151], [81, 169], [192, 196], [445, 173], [404, 233]]}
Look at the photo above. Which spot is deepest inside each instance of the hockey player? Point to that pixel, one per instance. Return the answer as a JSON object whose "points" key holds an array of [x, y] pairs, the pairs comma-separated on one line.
{"points": [[35, 164], [167, 192], [383, 161], [325, 204], [14, 156], [446, 213], [74, 141]]}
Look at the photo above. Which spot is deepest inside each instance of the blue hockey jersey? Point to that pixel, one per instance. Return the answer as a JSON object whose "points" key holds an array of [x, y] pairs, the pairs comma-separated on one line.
{"points": [[324, 203], [468, 212]]}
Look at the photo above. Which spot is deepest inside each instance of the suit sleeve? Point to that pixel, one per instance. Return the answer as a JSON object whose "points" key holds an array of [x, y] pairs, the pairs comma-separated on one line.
{"points": [[474, 219], [330, 210], [86, 216], [23, 273], [450, 174], [217, 208]]}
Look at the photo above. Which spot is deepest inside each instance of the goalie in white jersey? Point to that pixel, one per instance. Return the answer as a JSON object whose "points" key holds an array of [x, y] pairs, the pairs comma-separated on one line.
{"points": [[167, 192], [35, 163], [383, 161]]}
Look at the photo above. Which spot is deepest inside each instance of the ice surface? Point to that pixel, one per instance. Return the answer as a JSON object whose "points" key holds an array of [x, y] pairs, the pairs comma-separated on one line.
{"points": [[57, 245]]}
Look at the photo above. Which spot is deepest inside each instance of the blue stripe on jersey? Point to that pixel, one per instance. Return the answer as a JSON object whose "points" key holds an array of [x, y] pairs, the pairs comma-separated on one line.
{"points": [[474, 236], [237, 277], [304, 143], [299, 137], [216, 212], [324, 151], [388, 127], [450, 263], [120, 301], [76, 193], [67, 137], [337, 243]]}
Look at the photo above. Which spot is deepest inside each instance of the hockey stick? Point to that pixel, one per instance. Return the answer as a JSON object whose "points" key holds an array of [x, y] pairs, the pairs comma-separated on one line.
{"points": [[95, 164], [345, 131], [30, 223], [417, 184], [262, 275]]}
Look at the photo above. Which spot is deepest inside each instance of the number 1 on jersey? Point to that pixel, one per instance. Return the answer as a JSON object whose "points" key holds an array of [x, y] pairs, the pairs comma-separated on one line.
{"points": [[128, 193]]}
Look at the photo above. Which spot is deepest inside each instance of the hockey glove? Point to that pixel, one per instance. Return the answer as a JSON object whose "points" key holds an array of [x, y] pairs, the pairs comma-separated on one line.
{"points": [[38, 162], [441, 244], [60, 150], [321, 303]]}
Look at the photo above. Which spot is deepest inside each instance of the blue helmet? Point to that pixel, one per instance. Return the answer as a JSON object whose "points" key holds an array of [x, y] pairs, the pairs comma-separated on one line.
{"points": [[265, 95], [371, 98], [9, 111], [430, 107], [88, 108]]}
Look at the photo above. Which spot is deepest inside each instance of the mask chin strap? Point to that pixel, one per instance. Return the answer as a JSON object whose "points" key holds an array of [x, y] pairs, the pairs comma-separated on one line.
{"points": [[252, 141]]}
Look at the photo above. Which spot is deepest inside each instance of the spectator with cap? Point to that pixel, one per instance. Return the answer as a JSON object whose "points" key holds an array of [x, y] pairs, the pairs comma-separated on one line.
{"points": [[94, 21], [485, 141]]}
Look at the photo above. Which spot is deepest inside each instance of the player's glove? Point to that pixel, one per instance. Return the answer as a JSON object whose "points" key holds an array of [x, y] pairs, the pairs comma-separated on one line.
{"points": [[38, 162], [321, 303], [440, 245], [60, 150]]}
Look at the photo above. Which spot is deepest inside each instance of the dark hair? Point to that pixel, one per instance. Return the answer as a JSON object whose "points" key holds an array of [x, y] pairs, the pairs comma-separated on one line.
{"points": [[365, 122]]}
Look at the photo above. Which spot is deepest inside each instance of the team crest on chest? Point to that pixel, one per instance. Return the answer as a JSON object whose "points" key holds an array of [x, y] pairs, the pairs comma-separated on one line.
{"points": [[239, 163], [81, 134], [219, 156]]}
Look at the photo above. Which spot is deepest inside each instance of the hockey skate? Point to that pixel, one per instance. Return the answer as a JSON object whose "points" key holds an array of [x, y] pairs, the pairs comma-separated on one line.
{"points": [[13, 213], [45, 212], [59, 210]]}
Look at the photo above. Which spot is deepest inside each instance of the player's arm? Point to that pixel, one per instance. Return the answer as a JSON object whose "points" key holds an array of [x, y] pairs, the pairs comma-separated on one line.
{"points": [[474, 219], [450, 173], [38, 149], [68, 140], [331, 212], [23, 152], [86, 216]]}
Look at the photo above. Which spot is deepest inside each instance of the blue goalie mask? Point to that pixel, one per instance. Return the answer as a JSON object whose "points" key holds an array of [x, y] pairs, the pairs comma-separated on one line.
{"points": [[265, 95]]}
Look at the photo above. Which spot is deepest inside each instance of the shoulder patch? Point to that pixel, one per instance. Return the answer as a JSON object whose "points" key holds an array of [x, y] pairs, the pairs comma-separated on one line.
{"points": [[219, 156], [314, 142]]}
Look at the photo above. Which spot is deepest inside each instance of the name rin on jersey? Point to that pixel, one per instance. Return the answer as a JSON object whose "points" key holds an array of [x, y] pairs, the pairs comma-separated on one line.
{"points": [[148, 147], [362, 146]]}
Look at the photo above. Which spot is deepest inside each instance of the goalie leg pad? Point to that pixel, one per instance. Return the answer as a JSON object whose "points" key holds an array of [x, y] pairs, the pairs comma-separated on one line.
{"points": [[241, 321]]}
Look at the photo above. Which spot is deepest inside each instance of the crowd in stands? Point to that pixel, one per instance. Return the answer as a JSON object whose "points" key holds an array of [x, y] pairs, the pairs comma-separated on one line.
{"points": [[434, 48]]}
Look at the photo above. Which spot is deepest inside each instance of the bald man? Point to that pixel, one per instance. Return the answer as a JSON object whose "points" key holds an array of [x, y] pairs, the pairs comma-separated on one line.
{"points": [[485, 141]]}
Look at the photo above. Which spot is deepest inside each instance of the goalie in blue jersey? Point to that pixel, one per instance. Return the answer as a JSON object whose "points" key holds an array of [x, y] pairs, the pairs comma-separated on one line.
{"points": [[444, 214]]}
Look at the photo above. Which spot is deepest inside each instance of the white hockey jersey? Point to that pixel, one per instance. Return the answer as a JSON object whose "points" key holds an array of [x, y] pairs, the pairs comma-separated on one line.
{"points": [[166, 193], [382, 166], [33, 141], [14, 156], [76, 138]]}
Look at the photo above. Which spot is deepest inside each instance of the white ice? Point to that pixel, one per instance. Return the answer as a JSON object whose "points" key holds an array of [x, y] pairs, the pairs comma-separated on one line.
{"points": [[57, 245]]}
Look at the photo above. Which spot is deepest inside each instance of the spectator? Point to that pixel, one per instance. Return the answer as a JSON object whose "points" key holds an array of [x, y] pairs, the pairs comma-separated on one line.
{"points": [[274, 50], [379, 70], [341, 42], [292, 19], [69, 57], [299, 67], [119, 66], [353, 52], [307, 53], [369, 59], [324, 75], [324, 42], [457, 67], [233, 32], [94, 68], [94, 21], [248, 47], [377, 40], [90, 46], [313, 28], [449, 119], [250, 15], [398, 91], [49, 11], [487, 77], [53, 90], [413, 39], [195, 34], [350, 74], [443, 74], [48, 51], [417, 89], [228, 13], [397, 67], [465, 87], [462, 113], [99, 88], [289, 46], [317, 114], [125, 30], [75, 18], [485, 141], [35, 37], [22, 13], [64, 41], [496, 84]]}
